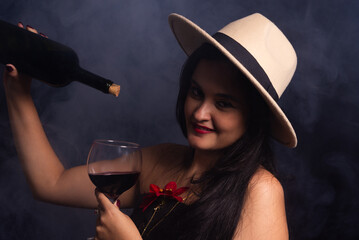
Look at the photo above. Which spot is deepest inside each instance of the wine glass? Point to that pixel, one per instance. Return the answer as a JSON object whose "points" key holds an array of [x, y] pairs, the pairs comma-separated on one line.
{"points": [[114, 166]]}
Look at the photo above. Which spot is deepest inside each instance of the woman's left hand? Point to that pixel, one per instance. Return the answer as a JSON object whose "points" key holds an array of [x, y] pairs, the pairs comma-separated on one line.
{"points": [[112, 223]]}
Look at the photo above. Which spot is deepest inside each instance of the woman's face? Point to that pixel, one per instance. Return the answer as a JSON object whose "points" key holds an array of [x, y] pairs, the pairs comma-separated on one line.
{"points": [[215, 108]]}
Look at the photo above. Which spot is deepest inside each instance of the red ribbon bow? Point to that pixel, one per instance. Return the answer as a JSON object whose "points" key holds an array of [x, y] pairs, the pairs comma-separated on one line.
{"points": [[170, 191]]}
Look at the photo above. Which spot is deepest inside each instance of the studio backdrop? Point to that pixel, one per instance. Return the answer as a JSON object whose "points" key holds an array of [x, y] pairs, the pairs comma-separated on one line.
{"points": [[130, 43]]}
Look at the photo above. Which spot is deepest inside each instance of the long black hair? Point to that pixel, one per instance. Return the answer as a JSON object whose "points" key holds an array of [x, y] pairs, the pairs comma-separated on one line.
{"points": [[216, 213]]}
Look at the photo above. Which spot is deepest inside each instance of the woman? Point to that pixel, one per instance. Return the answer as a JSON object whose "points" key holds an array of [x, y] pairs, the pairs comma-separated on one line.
{"points": [[221, 186]]}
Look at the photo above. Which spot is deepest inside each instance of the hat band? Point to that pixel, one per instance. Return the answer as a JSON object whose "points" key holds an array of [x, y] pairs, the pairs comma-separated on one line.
{"points": [[248, 61]]}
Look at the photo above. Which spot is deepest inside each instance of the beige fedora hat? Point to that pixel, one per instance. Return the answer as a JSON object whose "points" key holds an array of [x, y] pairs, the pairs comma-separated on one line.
{"points": [[260, 50]]}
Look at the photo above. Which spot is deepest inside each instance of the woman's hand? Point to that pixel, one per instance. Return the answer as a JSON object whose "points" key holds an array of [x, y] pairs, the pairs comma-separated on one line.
{"points": [[112, 224], [17, 84], [31, 29]]}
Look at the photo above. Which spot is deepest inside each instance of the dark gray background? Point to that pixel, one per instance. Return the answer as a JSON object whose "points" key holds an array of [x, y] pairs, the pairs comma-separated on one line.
{"points": [[130, 42]]}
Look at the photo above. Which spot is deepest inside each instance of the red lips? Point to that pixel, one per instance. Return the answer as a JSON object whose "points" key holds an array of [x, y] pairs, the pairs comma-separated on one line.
{"points": [[201, 129]]}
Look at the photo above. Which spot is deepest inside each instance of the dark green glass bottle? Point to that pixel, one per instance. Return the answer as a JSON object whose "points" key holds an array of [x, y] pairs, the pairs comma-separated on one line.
{"points": [[46, 60]]}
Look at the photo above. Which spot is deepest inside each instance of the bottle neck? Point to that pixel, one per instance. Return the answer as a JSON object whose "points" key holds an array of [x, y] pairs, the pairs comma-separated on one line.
{"points": [[92, 80]]}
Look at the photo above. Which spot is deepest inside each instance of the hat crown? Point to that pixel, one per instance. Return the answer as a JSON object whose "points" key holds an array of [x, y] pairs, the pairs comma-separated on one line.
{"points": [[268, 45]]}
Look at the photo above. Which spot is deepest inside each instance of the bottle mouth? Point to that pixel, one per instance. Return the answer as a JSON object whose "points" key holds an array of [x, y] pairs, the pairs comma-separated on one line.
{"points": [[114, 89]]}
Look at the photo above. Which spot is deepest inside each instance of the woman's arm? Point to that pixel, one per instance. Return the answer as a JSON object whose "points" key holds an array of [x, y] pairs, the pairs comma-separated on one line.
{"points": [[46, 175], [48, 179], [263, 215]]}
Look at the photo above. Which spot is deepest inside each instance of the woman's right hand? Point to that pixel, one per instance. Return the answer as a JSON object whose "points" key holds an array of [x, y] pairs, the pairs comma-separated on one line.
{"points": [[15, 83]]}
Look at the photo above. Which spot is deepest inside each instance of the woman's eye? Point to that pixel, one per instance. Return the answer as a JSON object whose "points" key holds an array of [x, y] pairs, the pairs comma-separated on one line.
{"points": [[195, 92], [224, 104]]}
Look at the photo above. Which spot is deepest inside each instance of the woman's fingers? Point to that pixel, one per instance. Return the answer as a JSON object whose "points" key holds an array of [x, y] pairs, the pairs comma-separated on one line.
{"points": [[8, 73], [43, 35], [103, 202], [14, 82], [112, 223], [31, 29], [11, 70]]}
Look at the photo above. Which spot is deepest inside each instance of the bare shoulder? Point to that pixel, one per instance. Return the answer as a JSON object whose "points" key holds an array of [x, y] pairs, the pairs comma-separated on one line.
{"points": [[264, 186], [263, 215]]}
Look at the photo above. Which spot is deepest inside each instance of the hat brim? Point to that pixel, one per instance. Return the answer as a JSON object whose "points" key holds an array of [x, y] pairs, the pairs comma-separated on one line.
{"points": [[190, 37]]}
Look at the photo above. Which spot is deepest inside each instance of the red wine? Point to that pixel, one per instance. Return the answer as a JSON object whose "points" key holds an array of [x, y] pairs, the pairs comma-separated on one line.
{"points": [[46, 60], [113, 184]]}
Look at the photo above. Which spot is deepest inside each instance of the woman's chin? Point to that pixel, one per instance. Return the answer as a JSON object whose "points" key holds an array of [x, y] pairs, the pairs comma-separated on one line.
{"points": [[201, 144], [207, 144]]}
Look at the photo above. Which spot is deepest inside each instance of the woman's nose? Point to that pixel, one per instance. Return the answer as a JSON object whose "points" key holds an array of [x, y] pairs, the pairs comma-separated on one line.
{"points": [[202, 112]]}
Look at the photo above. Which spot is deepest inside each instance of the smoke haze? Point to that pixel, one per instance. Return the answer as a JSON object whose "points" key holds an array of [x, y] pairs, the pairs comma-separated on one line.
{"points": [[130, 43]]}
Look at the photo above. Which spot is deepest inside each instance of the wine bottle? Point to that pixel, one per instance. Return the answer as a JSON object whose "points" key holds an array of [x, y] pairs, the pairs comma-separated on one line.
{"points": [[46, 60]]}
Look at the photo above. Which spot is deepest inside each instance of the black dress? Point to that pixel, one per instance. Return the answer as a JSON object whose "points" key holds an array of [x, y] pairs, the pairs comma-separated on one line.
{"points": [[163, 219]]}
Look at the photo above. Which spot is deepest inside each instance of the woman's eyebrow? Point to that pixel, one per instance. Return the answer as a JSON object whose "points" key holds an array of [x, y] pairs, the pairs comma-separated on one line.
{"points": [[227, 96], [221, 95], [195, 83]]}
